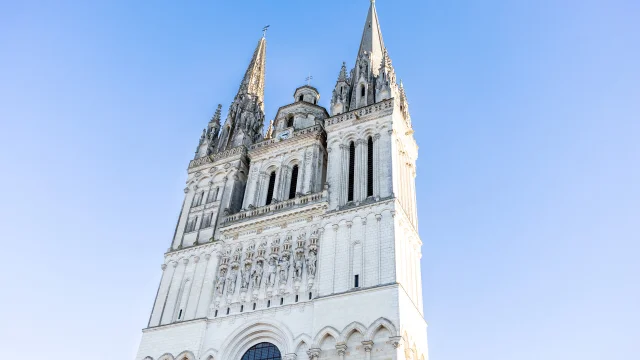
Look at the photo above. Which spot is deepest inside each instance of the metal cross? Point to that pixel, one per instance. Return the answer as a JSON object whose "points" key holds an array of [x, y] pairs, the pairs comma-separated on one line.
{"points": [[264, 30], [309, 78]]}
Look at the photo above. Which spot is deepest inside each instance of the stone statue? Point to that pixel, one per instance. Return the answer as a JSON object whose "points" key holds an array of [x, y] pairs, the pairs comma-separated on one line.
{"points": [[283, 269], [311, 263], [233, 277], [246, 276], [297, 269], [220, 282], [272, 272], [256, 275]]}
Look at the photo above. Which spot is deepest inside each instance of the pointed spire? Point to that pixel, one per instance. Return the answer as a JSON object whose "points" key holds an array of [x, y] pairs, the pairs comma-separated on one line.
{"points": [[253, 82], [343, 72], [372, 42], [216, 117]]}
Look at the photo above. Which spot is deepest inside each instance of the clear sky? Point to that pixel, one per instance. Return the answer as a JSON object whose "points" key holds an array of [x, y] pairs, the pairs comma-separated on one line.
{"points": [[526, 112]]}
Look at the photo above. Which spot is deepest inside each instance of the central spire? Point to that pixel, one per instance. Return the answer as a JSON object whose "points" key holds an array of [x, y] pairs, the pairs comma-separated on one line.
{"points": [[253, 82], [372, 42]]}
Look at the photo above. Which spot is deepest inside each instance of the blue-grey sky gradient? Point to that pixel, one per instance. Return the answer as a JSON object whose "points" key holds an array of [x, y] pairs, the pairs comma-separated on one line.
{"points": [[527, 114]]}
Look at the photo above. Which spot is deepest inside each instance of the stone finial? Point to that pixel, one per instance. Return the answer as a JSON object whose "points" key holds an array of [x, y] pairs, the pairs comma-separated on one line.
{"points": [[343, 72]]}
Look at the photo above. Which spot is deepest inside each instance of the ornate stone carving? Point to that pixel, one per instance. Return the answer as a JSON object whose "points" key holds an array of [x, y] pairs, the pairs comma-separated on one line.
{"points": [[246, 276], [313, 354], [221, 281]]}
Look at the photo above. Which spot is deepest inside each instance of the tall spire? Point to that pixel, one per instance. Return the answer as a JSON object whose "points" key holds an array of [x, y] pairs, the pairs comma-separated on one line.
{"points": [[253, 81], [372, 42], [245, 119]]}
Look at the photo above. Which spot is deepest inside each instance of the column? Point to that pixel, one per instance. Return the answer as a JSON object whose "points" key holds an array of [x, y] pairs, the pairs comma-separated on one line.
{"points": [[377, 166], [343, 174], [184, 216], [362, 164], [368, 346], [165, 296], [206, 289], [174, 293], [167, 276], [341, 348]]}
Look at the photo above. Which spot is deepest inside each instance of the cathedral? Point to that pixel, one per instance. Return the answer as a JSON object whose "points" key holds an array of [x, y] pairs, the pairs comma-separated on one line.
{"points": [[299, 241]]}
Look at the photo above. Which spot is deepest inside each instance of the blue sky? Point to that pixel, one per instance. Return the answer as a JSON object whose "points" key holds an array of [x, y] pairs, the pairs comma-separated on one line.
{"points": [[526, 113]]}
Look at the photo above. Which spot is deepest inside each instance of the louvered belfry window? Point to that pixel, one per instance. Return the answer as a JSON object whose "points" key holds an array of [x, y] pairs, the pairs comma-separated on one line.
{"points": [[352, 170], [370, 167], [294, 182], [272, 184]]}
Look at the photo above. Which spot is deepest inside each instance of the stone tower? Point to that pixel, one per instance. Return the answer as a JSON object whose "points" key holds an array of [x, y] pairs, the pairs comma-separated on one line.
{"points": [[301, 243]]}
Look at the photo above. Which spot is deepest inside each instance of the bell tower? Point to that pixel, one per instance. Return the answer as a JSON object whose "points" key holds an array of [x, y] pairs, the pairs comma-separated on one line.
{"points": [[300, 244]]}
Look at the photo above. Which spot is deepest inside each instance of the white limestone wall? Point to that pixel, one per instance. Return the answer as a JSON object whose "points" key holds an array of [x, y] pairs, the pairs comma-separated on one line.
{"points": [[364, 324]]}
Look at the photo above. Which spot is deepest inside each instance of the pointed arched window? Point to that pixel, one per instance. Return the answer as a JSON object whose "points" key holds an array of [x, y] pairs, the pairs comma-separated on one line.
{"points": [[352, 172], [294, 182], [272, 184], [370, 166], [362, 90]]}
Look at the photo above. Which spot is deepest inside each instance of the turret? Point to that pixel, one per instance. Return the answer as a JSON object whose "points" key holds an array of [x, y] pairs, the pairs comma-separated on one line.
{"points": [[209, 138], [341, 93]]}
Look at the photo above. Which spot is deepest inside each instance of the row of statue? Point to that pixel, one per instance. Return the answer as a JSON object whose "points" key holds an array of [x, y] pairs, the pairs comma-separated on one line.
{"points": [[274, 267]]}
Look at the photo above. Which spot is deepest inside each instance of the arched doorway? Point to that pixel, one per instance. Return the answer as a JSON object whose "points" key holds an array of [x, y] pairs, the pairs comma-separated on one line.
{"points": [[262, 351]]}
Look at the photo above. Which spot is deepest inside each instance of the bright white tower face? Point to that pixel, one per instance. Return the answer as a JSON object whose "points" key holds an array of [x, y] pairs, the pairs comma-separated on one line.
{"points": [[301, 244]]}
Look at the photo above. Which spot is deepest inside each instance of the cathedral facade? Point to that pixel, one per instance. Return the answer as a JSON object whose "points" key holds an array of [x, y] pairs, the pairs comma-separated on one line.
{"points": [[301, 241]]}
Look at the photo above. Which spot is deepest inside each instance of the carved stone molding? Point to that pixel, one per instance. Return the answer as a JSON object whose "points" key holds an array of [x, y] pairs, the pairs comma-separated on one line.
{"points": [[341, 348], [196, 259], [396, 341], [185, 261], [313, 353], [163, 267], [368, 345]]}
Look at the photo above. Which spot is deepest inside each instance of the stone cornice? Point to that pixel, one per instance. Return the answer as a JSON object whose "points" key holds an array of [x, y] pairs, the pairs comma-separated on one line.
{"points": [[314, 133], [366, 113], [318, 107], [236, 152]]}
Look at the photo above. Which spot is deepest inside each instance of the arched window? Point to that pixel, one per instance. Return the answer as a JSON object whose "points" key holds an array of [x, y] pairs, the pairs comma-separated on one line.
{"points": [[362, 90], [262, 351], [301, 97], [370, 167], [290, 121], [294, 182], [272, 184], [352, 172]]}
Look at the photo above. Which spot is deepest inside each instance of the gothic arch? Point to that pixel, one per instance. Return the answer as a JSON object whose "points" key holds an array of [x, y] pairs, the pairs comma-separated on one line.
{"points": [[269, 166], [166, 356], [369, 131], [349, 137], [381, 322], [186, 355], [354, 326], [327, 330], [271, 331], [148, 358]]}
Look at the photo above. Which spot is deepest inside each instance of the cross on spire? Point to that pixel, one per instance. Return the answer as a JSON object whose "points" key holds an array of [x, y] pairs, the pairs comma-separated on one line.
{"points": [[264, 30], [309, 78]]}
